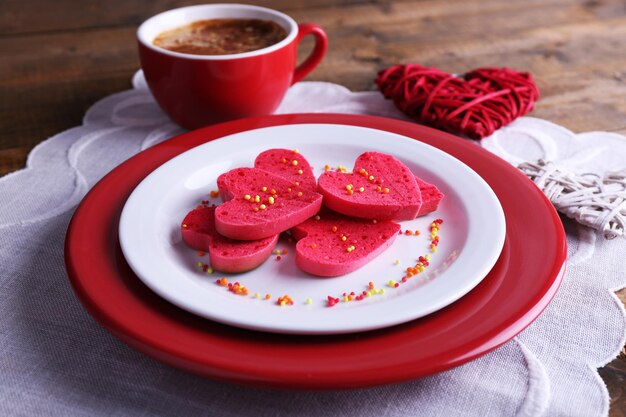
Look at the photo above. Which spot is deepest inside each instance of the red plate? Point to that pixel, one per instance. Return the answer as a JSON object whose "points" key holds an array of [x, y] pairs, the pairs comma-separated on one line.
{"points": [[515, 292]]}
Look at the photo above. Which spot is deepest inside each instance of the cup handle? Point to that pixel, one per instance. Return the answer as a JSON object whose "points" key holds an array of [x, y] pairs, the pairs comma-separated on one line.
{"points": [[321, 44]]}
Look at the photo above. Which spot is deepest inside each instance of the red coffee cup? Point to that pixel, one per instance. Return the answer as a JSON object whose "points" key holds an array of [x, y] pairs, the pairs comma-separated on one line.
{"points": [[198, 90]]}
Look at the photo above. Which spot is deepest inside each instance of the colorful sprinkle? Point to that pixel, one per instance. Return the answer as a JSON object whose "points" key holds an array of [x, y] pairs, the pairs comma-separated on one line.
{"points": [[284, 300], [238, 289]]}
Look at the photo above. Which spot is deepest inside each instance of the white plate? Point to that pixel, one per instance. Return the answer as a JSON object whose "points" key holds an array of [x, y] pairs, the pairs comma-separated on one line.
{"points": [[471, 237]]}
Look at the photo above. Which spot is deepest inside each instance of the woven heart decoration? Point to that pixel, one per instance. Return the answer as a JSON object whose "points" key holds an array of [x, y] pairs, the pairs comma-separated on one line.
{"points": [[473, 105]]}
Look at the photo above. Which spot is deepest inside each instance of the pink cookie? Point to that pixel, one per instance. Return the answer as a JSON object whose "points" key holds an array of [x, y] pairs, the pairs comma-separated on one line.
{"points": [[431, 197], [258, 204], [281, 162], [321, 249], [227, 255], [380, 187]]}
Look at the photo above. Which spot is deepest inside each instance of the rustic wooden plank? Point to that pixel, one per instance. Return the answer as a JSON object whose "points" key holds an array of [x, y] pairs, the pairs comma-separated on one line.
{"points": [[12, 159], [51, 79], [594, 102], [22, 17], [59, 107], [19, 17]]}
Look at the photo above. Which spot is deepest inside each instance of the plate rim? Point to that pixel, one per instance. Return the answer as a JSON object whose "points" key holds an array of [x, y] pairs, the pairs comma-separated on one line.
{"points": [[216, 366], [345, 321]]}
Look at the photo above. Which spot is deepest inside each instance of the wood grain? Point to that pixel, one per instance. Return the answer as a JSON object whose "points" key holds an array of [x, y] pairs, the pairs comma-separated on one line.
{"points": [[53, 66], [20, 17]]}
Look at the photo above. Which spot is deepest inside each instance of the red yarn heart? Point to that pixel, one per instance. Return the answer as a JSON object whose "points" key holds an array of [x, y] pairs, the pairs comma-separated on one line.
{"points": [[475, 105]]}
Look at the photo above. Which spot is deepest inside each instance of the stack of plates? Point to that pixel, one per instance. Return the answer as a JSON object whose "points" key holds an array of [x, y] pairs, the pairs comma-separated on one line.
{"points": [[499, 262]]}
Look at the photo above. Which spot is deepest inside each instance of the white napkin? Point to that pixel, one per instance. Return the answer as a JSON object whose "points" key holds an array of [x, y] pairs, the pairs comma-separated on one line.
{"points": [[56, 360]]}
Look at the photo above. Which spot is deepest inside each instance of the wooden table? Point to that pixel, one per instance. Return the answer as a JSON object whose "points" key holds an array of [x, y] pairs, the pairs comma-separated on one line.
{"points": [[55, 64]]}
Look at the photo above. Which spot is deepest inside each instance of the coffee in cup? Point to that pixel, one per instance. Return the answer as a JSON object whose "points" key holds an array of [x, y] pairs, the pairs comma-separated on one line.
{"points": [[221, 36]]}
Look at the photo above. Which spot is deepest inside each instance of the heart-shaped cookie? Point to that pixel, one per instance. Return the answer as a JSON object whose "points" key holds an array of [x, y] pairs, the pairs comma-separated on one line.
{"points": [[474, 105], [380, 187], [259, 204], [289, 164], [332, 244], [227, 255]]}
